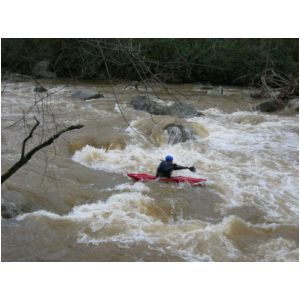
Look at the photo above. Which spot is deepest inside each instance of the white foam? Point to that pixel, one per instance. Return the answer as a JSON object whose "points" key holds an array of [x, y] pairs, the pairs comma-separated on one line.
{"points": [[247, 162], [255, 158], [135, 187], [38, 213], [117, 108], [124, 219], [133, 159], [279, 249]]}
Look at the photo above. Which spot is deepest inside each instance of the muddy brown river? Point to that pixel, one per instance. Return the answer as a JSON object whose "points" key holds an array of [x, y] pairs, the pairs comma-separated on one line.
{"points": [[74, 202]]}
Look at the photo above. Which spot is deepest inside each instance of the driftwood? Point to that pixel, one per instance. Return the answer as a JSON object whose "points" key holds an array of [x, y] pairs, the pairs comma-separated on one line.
{"points": [[26, 157], [279, 87]]}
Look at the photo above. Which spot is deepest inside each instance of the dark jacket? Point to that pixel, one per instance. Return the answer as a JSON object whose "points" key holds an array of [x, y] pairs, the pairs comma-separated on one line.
{"points": [[166, 168]]}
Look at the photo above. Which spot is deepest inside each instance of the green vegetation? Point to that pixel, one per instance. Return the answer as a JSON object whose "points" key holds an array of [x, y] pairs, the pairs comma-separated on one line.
{"points": [[217, 61]]}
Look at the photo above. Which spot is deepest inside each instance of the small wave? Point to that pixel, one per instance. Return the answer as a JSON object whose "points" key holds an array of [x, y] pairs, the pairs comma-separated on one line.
{"points": [[131, 218], [137, 187]]}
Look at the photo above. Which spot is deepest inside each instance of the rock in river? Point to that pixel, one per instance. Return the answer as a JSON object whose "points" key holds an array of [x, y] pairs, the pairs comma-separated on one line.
{"points": [[270, 106], [11, 207], [156, 106], [86, 95], [177, 133]]}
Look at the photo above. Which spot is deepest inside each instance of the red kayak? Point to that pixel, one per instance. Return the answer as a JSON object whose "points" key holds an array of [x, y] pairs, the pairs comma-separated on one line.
{"points": [[177, 179]]}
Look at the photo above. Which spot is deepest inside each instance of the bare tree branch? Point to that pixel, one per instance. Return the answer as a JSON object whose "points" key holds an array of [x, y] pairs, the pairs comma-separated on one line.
{"points": [[280, 87], [110, 81], [25, 158], [29, 136]]}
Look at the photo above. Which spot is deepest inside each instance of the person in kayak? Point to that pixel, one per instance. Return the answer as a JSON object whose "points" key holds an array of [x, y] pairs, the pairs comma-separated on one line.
{"points": [[166, 167]]}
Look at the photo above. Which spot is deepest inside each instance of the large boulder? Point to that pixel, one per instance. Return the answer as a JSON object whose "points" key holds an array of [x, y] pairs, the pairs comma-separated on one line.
{"points": [[156, 106], [87, 95], [41, 70], [270, 106]]}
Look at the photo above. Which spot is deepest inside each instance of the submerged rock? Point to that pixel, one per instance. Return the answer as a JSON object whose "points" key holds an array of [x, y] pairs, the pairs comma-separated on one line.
{"points": [[87, 95], [156, 106]]}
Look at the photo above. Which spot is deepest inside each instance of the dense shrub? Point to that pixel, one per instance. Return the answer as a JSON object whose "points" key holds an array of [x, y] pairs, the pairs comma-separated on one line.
{"points": [[218, 61]]}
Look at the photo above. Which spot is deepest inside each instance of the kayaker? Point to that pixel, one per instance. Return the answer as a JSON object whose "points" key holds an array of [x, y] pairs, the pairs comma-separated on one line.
{"points": [[166, 167]]}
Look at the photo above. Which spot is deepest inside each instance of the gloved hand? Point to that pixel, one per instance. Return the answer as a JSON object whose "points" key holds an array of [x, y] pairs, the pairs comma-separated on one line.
{"points": [[192, 169]]}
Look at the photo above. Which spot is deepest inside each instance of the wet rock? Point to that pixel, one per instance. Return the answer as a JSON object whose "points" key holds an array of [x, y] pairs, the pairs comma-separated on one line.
{"points": [[177, 134], [170, 129], [270, 106], [87, 95], [141, 102], [41, 70], [10, 208], [158, 107], [184, 110]]}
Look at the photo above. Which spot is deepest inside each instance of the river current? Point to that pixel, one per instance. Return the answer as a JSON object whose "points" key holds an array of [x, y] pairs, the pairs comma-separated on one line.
{"points": [[79, 205]]}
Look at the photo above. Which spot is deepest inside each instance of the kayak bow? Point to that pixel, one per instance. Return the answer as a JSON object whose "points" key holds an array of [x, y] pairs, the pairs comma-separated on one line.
{"points": [[177, 179]]}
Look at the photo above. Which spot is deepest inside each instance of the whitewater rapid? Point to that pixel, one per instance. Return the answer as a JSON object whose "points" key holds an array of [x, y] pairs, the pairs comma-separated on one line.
{"points": [[250, 160], [87, 209], [248, 157]]}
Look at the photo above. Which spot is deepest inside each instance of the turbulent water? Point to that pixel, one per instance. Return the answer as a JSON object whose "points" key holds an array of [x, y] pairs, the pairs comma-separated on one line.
{"points": [[79, 205]]}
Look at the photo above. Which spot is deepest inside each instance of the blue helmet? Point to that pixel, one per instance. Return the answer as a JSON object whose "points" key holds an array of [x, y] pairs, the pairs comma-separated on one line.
{"points": [[169, 158]]}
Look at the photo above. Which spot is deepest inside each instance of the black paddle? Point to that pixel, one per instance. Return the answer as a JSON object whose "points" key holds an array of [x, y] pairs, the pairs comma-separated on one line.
{"points": [[192, 169]]}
